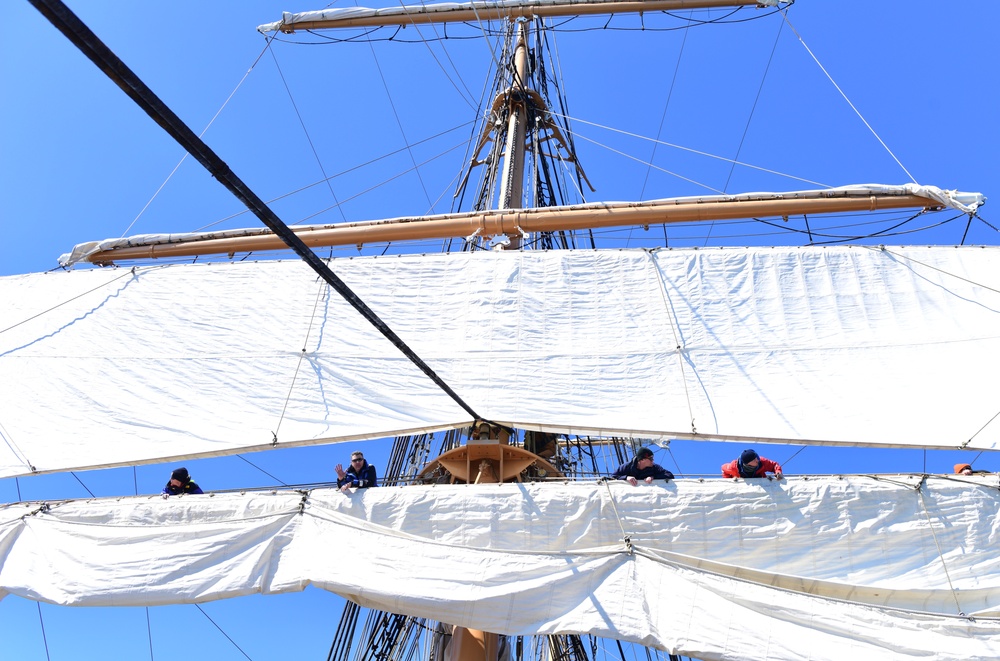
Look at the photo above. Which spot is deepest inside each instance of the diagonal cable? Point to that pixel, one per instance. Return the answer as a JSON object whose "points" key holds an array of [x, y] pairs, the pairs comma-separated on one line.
{"points": [[83, 38]]}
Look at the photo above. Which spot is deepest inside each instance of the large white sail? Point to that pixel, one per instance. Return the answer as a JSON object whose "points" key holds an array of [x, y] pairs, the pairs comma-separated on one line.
{"points": [[888, 568], [839, 345]]}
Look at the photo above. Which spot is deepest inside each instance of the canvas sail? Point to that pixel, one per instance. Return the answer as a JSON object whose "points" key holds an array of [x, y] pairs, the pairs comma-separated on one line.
{"points": [[836, 345], [880, 567]]}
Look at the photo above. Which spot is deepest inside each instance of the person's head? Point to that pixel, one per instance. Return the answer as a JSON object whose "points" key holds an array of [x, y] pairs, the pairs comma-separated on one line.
{"points": [[179, 477], [357, 459], [749, 461], [963, 469], [643, 458]]}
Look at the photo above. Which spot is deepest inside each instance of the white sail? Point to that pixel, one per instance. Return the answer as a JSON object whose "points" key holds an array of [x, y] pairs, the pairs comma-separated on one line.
{"points": [[892, 568], [839, 345]]}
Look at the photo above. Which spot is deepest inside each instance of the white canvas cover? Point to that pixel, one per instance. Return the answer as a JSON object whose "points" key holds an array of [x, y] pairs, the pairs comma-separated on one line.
{"points": [[839, 345], [890, 567]]}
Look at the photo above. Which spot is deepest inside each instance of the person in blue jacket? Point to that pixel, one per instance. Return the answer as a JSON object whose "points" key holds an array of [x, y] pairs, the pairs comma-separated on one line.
{"points": [[360, 475], [642, 468], [180, 482]]}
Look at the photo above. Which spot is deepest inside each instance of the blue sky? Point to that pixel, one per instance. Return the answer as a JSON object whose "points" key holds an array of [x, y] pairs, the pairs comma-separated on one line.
{"points": [[80, 162]]}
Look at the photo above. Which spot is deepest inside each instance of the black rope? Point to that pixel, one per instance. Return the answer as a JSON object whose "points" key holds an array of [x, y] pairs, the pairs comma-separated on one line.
{"points": [[149, 634], [83, 38], [41, 623], [82, 484], [262, 470], [220, 628]]}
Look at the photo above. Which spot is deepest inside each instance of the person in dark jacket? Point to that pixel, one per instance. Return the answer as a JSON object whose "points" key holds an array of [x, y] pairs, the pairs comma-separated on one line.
{"points": [[750, 464], [642, 468], [180, 482], [360, 474]]}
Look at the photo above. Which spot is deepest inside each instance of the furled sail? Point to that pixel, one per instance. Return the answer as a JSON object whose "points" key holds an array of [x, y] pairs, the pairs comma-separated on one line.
{"points": [[836, 345], [443, 12], [863, 197], [887, 567]]}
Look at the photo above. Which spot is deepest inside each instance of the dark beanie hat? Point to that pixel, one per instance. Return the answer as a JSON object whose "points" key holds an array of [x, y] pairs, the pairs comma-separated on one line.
{"points": [[180, 474], [747, 456], [643, 453]]}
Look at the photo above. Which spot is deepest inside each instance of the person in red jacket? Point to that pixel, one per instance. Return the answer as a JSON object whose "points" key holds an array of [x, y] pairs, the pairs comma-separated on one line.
{"points": [[750, 464]]}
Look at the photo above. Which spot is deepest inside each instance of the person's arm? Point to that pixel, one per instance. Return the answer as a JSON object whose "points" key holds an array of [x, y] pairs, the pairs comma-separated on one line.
{"points": [[730, 469], [349, 480], [621, 473], [194, 488], [771, 467], [371, 479], [662, 473]]}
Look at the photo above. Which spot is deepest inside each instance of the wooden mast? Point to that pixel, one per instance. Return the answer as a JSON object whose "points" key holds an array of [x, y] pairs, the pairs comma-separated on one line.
{"points": [[512, 181]]}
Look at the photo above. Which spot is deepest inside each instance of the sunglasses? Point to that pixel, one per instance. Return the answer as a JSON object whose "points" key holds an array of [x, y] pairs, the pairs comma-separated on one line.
{"points": [[354, 461]]}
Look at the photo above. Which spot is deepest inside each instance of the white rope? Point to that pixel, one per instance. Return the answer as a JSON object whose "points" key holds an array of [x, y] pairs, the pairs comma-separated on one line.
{"points": [[203, 132], [837, 87], [669, 307], [947, 575], [687, 149]]}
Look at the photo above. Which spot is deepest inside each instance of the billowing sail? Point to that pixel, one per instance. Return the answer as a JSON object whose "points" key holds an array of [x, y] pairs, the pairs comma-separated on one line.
{"points": [[887, 567], [837, 345]]}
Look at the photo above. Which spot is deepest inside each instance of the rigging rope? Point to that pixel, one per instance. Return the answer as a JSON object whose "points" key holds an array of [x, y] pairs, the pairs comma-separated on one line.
{"points": [[618, 517], [837, 87], [944, 565], [399, 123], [298, 366], [83, 38], [344, 172], [198, 606], [41, 623], [203, 132], [262, 470], [149, 634], [305, 131], [668, 306], [666, 106], [691, 151]]}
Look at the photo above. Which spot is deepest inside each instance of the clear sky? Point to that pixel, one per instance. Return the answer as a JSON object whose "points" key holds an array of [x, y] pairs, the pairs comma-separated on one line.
{"points": [[79, 161]]}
